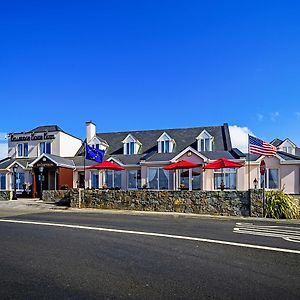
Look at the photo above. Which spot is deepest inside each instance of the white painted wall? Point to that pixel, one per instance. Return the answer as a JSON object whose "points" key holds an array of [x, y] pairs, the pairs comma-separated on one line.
{"points": [[63, 145], [67, 145]]}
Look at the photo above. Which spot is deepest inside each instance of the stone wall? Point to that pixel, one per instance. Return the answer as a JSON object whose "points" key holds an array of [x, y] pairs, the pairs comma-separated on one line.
{"points": [[229, 203], [6, 195], [59, 197]]}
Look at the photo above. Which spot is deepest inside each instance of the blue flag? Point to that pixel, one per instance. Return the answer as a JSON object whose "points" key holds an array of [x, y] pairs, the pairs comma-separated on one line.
{"points": [[94, 153]]}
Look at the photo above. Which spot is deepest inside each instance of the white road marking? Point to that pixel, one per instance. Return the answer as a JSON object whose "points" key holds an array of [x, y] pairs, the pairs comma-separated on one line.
{"points": [[288, 233], [180, 237]]}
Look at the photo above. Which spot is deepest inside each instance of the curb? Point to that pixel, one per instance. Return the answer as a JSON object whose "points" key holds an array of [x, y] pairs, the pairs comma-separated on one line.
{"points": [[177, 215]]}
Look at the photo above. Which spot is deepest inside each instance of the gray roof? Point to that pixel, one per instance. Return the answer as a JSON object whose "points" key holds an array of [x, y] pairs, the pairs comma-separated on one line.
{"points": [[4, 163], [283, 155], [61, 160], [288, 156], [184, 137], [67, 161], [78, 161], [233, 154], [276, 142], [46, 128]]}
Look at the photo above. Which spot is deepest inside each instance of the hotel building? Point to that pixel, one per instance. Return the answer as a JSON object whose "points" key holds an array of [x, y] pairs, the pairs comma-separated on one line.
{"points": [[143, 154]]}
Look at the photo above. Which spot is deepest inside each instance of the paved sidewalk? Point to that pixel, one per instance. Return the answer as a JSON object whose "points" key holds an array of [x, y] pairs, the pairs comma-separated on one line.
{"points": [[19, 207]]}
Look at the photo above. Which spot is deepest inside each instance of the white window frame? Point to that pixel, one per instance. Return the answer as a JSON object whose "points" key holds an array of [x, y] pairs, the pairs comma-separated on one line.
{"points": [[224, 172], [287, 149], [161, 143], [22, 150], [267, 178], [3, 175], [126, 145], [39, 147], [113, 178], [136, 179], [158, 185], [202, 138]]}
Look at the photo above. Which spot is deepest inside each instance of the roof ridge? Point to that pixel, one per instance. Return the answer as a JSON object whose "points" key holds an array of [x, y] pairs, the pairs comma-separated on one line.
{"points": [[163, 129]]}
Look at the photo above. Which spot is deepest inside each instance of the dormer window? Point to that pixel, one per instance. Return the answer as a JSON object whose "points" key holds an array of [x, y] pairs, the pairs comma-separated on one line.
{"points": [[165, 143], [287, 146], [130, 148], [287, 149], [98, 143], [131, 145], [205, 141], [165, 146]]}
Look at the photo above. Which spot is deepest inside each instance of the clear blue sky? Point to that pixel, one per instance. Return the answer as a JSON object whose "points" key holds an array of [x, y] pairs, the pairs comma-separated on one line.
{"points": [[151, 64]]}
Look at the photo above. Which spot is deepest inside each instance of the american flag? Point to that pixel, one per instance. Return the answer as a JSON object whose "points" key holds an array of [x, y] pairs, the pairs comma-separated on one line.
{"points": [[257, 146]]}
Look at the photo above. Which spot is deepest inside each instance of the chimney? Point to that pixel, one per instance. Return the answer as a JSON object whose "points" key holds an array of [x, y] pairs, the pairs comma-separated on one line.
{"points": [[90, 131]]}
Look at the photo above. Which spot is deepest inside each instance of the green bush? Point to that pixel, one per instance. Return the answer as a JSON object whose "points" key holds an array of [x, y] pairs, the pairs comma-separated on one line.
{"points": [[280, 206]]}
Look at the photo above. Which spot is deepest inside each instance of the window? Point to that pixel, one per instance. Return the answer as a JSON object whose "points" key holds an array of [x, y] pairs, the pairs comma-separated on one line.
{"points": [[204, 144], [158, 179], [20, 150], [20, 181], [270, 180], [26, 150], [130, 148], [113, 179], [165, 143], [95, 180], [205, 141], [2, 182], [287, 149], [134, 179], [23, 150], [45, 147], [165, 146], [196, 179], [227, 177]]}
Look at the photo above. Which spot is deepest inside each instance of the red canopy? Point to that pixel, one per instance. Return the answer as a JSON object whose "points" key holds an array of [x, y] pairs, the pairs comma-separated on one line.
{"points": [[106, 165], [183, 164], [222, 163]]}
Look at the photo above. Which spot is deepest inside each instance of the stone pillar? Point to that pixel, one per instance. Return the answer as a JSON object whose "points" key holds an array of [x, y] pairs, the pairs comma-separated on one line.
{"points": [[256, 202]]}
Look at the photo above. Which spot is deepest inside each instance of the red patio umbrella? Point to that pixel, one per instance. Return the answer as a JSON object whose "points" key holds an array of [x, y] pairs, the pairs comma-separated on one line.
{"points": [[222, 163], [183, 164], [106, 165]]}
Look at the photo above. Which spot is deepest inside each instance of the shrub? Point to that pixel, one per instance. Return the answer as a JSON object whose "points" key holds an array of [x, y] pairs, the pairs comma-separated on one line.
{"points": [[280, 206]]}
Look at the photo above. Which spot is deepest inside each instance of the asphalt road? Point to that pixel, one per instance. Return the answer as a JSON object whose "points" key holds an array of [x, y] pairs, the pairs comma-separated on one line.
{"points": [[41, 261]]}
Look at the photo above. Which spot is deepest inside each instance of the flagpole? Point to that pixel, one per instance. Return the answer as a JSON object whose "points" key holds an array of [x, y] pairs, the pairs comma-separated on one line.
{"points": [[84, 155], [249, 177], [248, 165]]}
